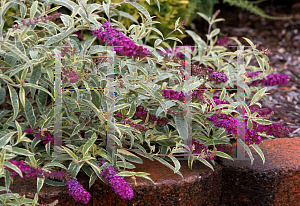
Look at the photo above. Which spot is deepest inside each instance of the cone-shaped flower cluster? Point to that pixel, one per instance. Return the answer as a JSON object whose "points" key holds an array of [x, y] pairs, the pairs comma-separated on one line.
{"points": [[218, 77], [29, 171], [118, 183], [270, 80], [36, 20], [276, 79], [139, 127], [225, 121], [174, 95], [231, 124], [123, 45], [142, 112], [71, 75], [77, 191], [274, 129], [251, 136], [45, 136]]}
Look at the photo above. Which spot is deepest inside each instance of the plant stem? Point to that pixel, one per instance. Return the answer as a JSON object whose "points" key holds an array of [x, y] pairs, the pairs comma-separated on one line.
{"points": [[66, 106], [165, 155], [10, 83], [169, 35], [211, 23], [209, 28]]}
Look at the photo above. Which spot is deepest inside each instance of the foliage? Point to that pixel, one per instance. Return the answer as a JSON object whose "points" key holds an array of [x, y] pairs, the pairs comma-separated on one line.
{"points": [[148, 122], [206, 7], [168, 11], [164, 11], [202, 6], [250, 6]]}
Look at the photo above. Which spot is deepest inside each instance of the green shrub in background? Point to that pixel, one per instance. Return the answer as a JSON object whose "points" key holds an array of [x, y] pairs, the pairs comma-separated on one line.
{"points": [[203, 6], [166, 13], [207, 6], [171, 10]]}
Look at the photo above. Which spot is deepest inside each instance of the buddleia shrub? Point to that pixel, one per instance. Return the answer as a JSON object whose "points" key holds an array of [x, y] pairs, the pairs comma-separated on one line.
{"points": [[98, 104]]}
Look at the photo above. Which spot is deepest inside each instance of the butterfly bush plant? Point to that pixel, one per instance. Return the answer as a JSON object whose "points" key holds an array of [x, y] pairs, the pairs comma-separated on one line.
{"points": [[151, 90]]}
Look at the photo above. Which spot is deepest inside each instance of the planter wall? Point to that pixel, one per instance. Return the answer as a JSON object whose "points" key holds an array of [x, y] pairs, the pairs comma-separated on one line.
{"points": [[277, 182], [48, 194], [201, 186]]}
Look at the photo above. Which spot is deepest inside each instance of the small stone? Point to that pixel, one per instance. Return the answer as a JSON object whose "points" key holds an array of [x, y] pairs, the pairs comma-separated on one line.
{"points": [[281, 50], [295, 31]]}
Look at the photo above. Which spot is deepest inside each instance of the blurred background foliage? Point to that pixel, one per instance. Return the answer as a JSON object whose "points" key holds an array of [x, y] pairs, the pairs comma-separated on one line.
{"points": [[168, 13], [171, 10]]}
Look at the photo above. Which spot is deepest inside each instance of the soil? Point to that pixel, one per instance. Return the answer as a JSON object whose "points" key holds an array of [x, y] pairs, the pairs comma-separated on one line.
{"points": [[281, 37]]}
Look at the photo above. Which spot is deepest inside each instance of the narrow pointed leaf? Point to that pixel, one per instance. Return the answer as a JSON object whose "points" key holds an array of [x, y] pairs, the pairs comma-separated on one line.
{"points": [[13, 167], [88, 144], [20, 151], [77, 128], [5, 139], [14, 100], [29, 113], [70, 153], [141, 9], [205, 162], [167, 164], [40, 183], [258, 150], [12, 48], [54, 164]]}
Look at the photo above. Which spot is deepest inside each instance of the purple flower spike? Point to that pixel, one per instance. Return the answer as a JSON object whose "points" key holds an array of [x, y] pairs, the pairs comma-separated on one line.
{"points": [[276, 79], [123, 45], [118, 183], [218, 77], [36, 20], [174, 95], [77, 191], [230, 124], [270, 80]]}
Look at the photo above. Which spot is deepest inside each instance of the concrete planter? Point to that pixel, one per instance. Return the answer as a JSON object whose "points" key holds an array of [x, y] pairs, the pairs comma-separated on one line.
{"points": [[277, 182], [48, 194], [201, 186]]}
